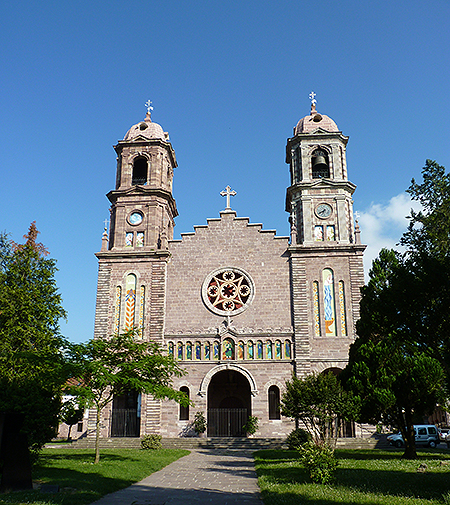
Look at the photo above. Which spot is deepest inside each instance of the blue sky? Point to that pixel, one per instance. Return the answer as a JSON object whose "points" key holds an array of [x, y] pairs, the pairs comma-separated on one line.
{"points": [[228, 81]]}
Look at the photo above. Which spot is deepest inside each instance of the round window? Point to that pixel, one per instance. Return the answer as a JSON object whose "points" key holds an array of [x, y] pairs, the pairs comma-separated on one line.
{"points": [[135, 218], [228, 291]]}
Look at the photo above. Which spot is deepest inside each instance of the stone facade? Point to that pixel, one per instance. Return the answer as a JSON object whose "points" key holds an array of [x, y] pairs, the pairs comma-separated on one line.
{"points": [[241, 308]]}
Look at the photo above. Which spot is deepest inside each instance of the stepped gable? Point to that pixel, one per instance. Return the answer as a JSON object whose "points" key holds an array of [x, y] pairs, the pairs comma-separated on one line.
{"points": [[228, 242]]}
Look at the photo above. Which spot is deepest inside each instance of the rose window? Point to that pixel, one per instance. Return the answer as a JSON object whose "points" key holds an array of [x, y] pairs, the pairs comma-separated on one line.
{"points": [[228, 291]]}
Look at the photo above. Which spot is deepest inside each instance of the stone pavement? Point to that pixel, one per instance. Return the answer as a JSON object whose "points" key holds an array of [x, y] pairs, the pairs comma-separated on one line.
{"points": [[222, 477]]}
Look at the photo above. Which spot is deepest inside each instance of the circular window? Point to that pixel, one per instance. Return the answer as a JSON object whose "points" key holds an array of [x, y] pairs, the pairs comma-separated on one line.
{"points": [[228, 291], [136, 218]]}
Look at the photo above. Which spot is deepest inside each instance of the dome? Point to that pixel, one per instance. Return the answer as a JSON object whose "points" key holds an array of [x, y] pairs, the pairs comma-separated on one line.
{"points": [[146, 129], [311, 123]]}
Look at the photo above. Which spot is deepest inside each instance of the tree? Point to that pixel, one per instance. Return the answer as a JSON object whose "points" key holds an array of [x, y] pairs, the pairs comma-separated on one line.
{"points": [[32, 366], [390, 372], [71, 413], [111, 366], [427, 242], [320, 403]]}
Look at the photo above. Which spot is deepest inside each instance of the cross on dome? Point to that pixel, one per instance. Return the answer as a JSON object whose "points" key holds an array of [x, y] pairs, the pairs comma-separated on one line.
{"points": [[228, 192], [312, 97], [148, 104]]}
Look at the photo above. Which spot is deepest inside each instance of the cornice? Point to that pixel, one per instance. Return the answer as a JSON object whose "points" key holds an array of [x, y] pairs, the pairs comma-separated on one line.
{"points": [[326, 249], [132, 255], [115, 194]]}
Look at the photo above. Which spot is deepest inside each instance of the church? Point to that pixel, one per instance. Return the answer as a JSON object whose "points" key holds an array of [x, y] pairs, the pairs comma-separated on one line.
{"points": [[241, 308]]}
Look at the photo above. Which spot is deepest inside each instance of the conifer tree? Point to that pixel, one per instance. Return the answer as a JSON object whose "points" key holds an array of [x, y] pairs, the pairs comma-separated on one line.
{"points": [[32, 368]]}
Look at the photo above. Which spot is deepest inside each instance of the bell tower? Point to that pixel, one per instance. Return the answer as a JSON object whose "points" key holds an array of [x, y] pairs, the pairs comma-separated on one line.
{"points": [[325, 251], [133, 259], [143, 208]]}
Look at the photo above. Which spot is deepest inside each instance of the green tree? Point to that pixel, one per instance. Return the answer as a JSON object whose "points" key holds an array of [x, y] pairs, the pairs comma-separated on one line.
{"points": [[320, 403], [392, 375], [107, 367], [32, 366], [71, 413], [427, 242]]}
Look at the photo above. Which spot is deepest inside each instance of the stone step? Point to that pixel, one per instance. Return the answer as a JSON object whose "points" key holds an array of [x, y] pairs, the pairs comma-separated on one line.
{"points": [[224, 443]]}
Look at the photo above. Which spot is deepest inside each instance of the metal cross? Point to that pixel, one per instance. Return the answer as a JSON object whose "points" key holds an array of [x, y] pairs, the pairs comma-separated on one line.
{"points": [[228, 192], [312, 97], [106, 224], [148, 104]]}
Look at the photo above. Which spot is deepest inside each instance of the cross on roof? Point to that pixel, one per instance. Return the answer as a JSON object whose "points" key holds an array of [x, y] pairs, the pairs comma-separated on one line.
{"points": [[312, 97], [148, 104], [228, 192]]}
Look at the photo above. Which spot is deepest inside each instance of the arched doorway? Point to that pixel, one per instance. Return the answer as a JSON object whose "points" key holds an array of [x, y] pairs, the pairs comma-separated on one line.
{"points": [[229, 404]]}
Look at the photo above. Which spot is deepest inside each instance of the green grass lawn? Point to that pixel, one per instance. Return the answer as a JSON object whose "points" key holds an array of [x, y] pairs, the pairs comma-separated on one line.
{"points": [[364, 477], [81, 482]]}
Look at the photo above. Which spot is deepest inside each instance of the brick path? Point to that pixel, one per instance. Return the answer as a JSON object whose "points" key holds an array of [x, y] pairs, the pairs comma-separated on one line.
{"points": [[222, 477]]}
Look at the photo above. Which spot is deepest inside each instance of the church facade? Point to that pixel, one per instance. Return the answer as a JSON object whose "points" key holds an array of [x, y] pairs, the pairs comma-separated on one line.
{"points": [[241, 308]]}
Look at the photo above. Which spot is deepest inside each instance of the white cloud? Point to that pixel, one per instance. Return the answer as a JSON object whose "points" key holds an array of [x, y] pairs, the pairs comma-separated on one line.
{"points": [[382, 225]]}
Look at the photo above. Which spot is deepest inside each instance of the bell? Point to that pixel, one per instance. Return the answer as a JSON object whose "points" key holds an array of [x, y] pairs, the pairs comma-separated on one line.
{"points": [[320, 163]]}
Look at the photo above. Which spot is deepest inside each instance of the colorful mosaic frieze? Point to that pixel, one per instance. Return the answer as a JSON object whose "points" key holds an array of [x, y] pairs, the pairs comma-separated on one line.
{"points": [[342, 308], [229, 350]]}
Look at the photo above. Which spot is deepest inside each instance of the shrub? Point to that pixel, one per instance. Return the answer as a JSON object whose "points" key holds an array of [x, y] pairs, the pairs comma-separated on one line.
{"points": [[151, 442], [297, 438], [319, 461], [251, 425], [199, 423]]}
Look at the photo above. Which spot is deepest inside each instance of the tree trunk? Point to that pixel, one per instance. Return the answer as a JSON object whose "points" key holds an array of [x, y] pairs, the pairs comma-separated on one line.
{"points": [[14, 453], [97, 436], [68, 434], [409, 437]]}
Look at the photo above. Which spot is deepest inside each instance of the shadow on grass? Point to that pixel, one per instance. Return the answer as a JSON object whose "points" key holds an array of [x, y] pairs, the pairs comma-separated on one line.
{"points": [[384, 474], [82, 482]]}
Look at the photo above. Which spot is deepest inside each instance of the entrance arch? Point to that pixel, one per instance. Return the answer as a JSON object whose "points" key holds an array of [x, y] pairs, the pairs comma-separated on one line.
{"points": [[229, 403]]}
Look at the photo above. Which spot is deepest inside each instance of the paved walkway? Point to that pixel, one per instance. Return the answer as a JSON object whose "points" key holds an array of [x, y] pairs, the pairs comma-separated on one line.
{"points": [[204, 477]]}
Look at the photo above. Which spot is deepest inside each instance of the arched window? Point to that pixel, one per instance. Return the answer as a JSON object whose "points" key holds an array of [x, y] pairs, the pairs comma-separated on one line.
{"points": [[189, 350], [170, 348], [320, 164], [278, 349], [207, 349], [274, 402], [329, 302], [130, 300], [216, 350], [250, 354], [184, 411], [315, 286], [287, 349], [180, 350], [342, 308], [241, 348], [198, 350], [228, 349], [269, 354], [259, 349], [140, 167]]}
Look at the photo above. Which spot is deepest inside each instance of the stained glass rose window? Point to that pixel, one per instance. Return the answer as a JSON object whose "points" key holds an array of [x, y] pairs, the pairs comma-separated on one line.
{"points": [[228, 291]]}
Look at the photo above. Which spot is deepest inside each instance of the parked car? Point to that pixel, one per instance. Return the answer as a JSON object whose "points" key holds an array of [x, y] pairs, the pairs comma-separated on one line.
{"points": [[425, 434]]}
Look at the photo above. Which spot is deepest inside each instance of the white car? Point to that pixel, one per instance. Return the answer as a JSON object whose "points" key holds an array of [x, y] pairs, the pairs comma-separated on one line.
{"points": [[426, 434]]}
